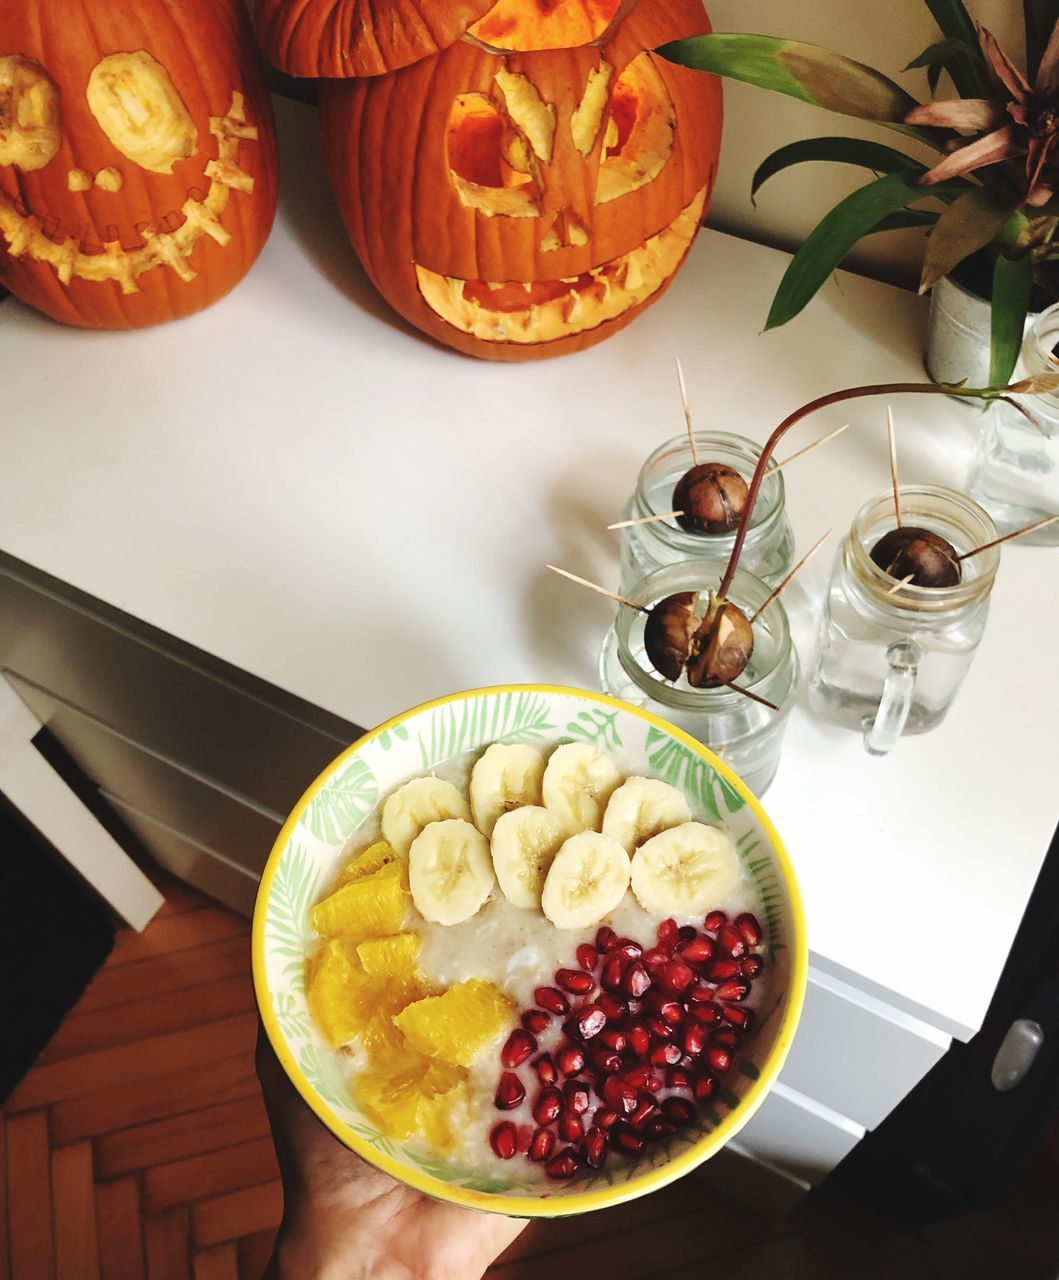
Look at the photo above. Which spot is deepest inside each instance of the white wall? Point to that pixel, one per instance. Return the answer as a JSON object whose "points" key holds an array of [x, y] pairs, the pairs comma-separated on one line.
{"points": [[886, 34]]}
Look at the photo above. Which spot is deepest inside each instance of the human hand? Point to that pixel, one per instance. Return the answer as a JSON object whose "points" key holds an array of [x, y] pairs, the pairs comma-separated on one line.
{"points": [[344, 1220]]}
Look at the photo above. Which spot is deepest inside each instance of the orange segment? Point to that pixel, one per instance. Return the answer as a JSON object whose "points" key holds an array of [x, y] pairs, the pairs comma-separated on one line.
{"points": [[458, 1024], [366, 863], [336, 990], [394, 956], [367, 908]]}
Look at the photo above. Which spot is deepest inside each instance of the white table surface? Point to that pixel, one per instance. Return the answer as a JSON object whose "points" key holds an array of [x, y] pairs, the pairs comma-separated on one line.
{"points": [[297, 484]]}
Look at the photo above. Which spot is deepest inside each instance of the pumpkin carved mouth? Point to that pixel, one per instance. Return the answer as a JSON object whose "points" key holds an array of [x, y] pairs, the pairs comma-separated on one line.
{"points": [[25, 234], [547, 310]]}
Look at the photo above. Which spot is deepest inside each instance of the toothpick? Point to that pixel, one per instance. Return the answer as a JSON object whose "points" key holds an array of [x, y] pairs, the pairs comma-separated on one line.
{"points": [[893, 463], [807, 557], [1030, 528], [584, 582], [898, 585], [754, 697], [687, 411], [808, 448], [628, 524]]}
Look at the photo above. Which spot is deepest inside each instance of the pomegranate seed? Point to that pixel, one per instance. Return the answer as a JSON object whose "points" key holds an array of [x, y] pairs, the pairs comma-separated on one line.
{"points": [[749, 927], [576, 1096], [624, 1138], [614, 1008], [666, 1054], [575, 981], [605, 1118], [671, 1012], [659, 1028], [605, 1060], [720, 1059], [677, 976], [727, 1038], [545, 1069], [639, 1077], [634, 1007], [751, 966], [667, 934], [646, 1109], [525, 1137], [570, 1061], [679, 1109], [722, 970], [613, 1040], [535, 1020], [695, 1036], [571, 1128], [613, 975], [594, 1148], [686, 932], [695, 951], [658, 1128], [549, 1106], [733, 989], [552, 1000], [707, 1014], [637, 979], [731, 941], [503, 1138], [639, 1039], [587, 956], [517, 1048], [590, 1021], [700, 993], [655, 961], [705, 1088], [629, 949], [509, 1092], [606, 939], [739, 1016], [564, 1165], [618, 1096], [714, 921], [543, 1144], [677, 1078]]}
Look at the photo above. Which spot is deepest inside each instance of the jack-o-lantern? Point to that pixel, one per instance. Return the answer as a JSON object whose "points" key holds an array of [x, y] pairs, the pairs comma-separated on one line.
{"points": [[520, 178], [137, 157]]}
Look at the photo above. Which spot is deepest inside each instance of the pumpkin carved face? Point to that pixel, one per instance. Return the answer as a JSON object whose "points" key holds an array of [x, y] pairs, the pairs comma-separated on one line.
{"points": [[531, 187], [137, 158]]}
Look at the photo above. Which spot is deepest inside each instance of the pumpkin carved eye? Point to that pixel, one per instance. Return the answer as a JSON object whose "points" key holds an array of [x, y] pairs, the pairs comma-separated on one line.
{"points": [[489, 160], [639, 137], [30, 128], [139, 109]]}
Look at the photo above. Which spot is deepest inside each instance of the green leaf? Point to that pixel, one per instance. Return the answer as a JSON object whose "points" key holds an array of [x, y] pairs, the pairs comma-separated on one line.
{"points": [[906, 219], [952, 55], [971, 222], [869, 155], [833, 238], [968, 72], [1040, 17], [804, 71], [1012, 282]]}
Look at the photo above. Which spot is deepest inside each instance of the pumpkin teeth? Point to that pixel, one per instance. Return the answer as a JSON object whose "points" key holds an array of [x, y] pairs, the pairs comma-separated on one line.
{"points": [[591, 299]]}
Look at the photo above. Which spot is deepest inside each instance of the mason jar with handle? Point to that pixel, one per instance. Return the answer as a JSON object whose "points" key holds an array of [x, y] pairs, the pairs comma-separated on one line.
{"points": [[892, 656]]}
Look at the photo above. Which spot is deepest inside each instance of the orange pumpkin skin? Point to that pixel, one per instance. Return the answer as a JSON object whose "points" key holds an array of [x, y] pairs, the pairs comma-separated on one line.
{"points": [[94, 238], [386, 150]]}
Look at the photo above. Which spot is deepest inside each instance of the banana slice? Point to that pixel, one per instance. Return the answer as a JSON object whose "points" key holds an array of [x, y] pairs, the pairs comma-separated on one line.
{"points": [[525, 842], [586, 882], [419, 802], [449, 871], [507, 775], [685, 871], [641, 808], [577, 784]]}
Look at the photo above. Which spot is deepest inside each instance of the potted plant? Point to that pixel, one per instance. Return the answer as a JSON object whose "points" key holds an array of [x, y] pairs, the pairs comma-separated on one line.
{"points": [[990, 201]]}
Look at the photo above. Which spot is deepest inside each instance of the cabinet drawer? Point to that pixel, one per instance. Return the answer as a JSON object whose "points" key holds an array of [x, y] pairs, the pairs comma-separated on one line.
{"points": [[184, 803], [160, 700], [855, 1054], [797, 1136]]}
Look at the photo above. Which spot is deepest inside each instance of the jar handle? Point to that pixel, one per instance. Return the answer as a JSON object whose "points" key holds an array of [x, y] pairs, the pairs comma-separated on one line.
{"points": [[882, 731]]}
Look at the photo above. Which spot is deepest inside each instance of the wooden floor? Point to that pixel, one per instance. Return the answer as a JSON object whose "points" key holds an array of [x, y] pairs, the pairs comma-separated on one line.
{"points": [[138, 1149]]}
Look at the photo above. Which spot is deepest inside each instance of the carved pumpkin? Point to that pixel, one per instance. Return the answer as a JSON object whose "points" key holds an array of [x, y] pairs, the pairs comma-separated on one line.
{"points": [[519, 179], [137, 157]]}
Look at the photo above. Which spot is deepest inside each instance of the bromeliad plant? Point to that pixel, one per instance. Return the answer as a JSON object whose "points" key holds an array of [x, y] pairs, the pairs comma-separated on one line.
{"points": [[996, 180]]}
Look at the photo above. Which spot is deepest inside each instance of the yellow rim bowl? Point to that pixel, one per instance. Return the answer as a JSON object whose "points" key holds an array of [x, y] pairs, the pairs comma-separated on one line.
{"points": [[421, 739]]}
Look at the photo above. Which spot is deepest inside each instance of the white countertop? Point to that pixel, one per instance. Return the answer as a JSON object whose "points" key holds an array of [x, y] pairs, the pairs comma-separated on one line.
{"points": [[296, 484]]}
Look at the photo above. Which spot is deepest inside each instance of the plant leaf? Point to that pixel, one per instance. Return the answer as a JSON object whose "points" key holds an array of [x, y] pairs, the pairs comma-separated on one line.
{"points": [[1012, 282], [942, 53], [1040, 17], [968, 74], [971, 222], [870, 155], [905, 220], [1038, 384], [803, 71], [832, 239]]}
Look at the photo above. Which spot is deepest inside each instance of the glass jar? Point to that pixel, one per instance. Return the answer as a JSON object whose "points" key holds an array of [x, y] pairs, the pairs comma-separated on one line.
{"points": [[1015, 469], [744, 733], [768, 552], [891, 660]]}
